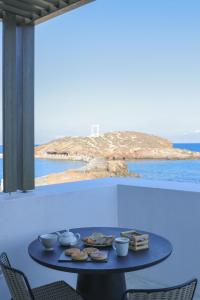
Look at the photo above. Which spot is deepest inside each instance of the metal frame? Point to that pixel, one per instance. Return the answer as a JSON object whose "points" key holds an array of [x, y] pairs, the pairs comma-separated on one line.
{"points": [[20, 273], [150, 291], [20, 288], [38, 11], [18, 105], [19, 20]]}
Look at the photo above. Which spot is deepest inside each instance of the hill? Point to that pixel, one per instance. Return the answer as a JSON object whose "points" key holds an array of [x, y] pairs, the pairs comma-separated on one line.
{"points": [[113, 146]]}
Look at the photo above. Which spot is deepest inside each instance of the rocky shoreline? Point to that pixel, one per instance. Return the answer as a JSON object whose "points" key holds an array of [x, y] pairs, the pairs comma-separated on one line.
{"points": [[128, 145], [146, 154], [105, 155], [96, 168]]}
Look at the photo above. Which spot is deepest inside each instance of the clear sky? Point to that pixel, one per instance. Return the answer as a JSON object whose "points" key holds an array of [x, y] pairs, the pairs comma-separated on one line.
{"points": [[125, 65]]}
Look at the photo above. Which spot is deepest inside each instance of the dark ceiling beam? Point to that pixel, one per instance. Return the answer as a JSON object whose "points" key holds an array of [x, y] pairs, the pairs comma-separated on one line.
{"points": [[19, 12], [41, 4], [59, 3], [58, 12], [1, 6], [22, 20], [23, 5], [19, 19], [54, 2], [38, 11], [1, 12]]}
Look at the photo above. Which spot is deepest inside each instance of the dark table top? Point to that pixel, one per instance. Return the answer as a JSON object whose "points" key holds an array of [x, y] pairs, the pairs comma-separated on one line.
{"points": [[160, 248]]}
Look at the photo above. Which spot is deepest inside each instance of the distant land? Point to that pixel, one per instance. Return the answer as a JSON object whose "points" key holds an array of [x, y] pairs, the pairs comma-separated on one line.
{"points": [[127, 145], [56, 169], [63, 166], [106, 155]]}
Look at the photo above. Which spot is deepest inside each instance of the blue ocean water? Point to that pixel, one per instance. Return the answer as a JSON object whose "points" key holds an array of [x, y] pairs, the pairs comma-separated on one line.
{"points": [[47, 166], [165, 170], [169, 170], [175, 170], [192, 146]]}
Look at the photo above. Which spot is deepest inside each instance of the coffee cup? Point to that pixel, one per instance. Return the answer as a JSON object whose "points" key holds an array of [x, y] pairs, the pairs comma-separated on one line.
{"points": [[48, 240], [121, 245]]}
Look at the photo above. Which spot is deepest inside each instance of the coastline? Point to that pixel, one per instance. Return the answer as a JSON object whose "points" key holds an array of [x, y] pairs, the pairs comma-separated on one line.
{"points": [[118, 149], [62, 157], [119, 145], [146, 154], [95, 168], [56, 157]]}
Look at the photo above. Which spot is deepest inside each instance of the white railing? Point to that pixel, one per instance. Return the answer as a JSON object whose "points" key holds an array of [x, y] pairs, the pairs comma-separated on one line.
{"points": [[173, 213], [171, 210]]}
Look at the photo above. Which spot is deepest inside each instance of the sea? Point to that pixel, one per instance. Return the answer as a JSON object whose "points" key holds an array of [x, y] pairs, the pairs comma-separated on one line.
{"points": [[169, 170], [159, 170], [47, 166]]}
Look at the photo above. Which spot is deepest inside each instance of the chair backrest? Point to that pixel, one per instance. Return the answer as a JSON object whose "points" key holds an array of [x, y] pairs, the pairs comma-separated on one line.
{"points": [[16, 280], [181, 292]]}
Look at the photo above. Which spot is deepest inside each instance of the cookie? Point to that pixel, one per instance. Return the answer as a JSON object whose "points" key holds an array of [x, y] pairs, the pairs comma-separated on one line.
{"points": [[69, 252], [81, 256], [89, 240], [90, 250], [99, 255]]}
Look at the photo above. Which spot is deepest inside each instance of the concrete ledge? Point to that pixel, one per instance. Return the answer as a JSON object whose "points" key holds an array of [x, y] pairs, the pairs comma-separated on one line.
{"points": [[100, 183], [171, 210], [172, 213]]}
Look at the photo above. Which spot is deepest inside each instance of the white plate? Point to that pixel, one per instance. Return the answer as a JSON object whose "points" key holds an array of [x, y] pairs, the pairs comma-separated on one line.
{"points": [[48, 249]]}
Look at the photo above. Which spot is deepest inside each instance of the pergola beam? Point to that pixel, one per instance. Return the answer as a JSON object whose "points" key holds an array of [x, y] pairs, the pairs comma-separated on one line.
{"points": [[19, 20], [38, 11], [18, 105], [61, 11], [18, 11], [9, 105], [40, 3], [24, 6], [59, 3]]}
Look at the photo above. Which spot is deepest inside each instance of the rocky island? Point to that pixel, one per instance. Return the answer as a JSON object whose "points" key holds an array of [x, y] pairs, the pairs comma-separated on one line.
{"points": [[106, 154]]}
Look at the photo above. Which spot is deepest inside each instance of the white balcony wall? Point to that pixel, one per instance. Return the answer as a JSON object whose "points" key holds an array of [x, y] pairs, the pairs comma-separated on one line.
{"points": [[52, 208], [172, 212]]}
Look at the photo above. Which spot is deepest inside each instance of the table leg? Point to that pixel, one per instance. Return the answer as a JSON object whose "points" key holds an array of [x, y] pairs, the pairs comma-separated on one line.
{"points": [[101, 287]]}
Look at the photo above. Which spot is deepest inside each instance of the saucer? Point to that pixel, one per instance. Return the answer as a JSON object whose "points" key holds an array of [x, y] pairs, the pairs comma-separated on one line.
{"points": [[48, 249]]}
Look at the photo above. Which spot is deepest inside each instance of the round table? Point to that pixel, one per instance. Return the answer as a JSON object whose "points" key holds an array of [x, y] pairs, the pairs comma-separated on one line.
{"points": [[105, 280]]}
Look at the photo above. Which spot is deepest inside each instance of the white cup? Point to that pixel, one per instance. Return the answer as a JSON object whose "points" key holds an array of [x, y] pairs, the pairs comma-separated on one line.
{"points": [[121, 245], [48, 240]]}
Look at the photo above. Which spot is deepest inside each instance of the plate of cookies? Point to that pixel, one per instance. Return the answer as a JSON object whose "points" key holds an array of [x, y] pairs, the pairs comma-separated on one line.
{"points": [[88, 254], [98, 239]]}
